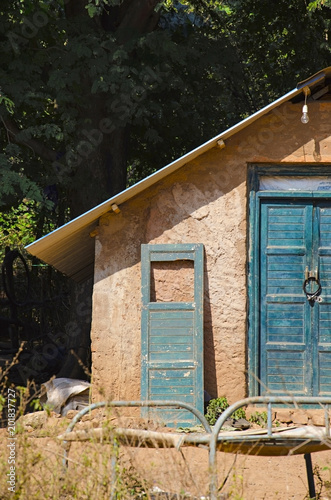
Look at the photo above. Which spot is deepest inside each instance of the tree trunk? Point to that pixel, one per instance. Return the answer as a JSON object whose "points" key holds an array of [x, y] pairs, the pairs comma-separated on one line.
{"points": [[94, 183], [102, 168], [96, 169], [102, 173]]}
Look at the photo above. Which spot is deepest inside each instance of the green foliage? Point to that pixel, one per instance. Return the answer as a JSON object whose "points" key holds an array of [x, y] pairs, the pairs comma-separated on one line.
{"points": [[2, 402], [96, 7], [162, 90], [97, 94], [8, 103], [240, 413], [130, 483], [217, 406], [260, 418], [318, 4], [202, 67], [18, 226], [35, 405], [14, 184]]}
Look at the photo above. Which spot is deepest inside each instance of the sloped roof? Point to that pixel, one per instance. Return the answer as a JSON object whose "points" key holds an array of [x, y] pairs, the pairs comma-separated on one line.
{"points": [[70, 248]]}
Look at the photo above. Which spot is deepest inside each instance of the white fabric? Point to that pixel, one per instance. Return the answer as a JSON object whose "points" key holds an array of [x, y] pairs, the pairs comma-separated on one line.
{"points": [[61, 390]]}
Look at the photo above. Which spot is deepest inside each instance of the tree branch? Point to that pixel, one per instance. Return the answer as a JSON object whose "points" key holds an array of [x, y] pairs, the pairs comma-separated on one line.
{"points": [[132, 18], [74, 8], [37, 147]]}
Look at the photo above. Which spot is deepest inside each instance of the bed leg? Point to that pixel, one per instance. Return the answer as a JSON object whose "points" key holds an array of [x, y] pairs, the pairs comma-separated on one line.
{"points": [[310, 476]]}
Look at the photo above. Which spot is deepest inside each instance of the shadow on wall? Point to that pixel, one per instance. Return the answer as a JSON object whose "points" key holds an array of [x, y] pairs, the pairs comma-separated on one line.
{"points": [[210, 376], [203, 202]]}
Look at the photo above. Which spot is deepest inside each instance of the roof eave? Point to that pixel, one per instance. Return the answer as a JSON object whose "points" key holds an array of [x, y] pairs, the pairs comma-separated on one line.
{"points": [[53, 247]]}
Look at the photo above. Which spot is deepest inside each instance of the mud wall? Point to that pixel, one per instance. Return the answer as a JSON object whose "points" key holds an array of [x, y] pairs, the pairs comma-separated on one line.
{"points": [[203, 202]]}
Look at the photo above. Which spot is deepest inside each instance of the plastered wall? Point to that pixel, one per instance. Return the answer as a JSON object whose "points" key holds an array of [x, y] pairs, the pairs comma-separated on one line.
{"points": [[203, 202]]}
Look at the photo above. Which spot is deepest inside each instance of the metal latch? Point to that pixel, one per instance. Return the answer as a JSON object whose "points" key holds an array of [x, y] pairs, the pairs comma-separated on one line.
{"points": [[310, 277]]}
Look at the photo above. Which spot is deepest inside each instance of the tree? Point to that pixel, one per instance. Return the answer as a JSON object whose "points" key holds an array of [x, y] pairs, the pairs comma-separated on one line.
{"points": [[99, 89], [96, 94], [80, 79], [92, 75]]}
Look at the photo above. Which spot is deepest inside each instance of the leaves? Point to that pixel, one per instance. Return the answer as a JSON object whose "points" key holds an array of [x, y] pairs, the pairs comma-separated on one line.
{"points": [[95, 7], [203, 67], [318, 4], [217, 406], [18, 227], [8, 103]]}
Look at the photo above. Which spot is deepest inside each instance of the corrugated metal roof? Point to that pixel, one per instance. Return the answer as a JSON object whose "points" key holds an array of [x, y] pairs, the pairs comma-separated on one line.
{"points": [[70, 248]]}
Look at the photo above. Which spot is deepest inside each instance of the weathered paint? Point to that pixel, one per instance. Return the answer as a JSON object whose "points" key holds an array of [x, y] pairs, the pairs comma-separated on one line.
{"points": [[295, 237], [172, 334], [205, 201]]}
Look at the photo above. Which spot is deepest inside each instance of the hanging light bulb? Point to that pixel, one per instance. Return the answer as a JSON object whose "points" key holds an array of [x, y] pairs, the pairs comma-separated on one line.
{"points": [[305, 117]]}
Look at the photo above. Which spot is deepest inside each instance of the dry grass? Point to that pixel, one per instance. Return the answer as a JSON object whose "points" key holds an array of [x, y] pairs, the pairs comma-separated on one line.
{"points": [[92, 472], [139, 472]]}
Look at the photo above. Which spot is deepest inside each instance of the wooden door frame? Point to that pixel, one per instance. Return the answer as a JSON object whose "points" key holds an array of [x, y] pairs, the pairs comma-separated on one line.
{"points": [[171, 252], [255, 171]]}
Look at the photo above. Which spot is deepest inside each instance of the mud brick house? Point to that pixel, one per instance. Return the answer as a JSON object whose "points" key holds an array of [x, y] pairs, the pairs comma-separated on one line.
{"points": [[205, 272]]}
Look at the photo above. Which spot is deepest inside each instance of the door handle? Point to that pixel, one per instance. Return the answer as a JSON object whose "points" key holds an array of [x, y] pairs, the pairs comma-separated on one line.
{"points": [[311, 274]]}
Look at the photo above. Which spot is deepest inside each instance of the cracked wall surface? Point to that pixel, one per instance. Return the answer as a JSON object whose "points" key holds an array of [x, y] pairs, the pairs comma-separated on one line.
{"points": [[205, 201]]}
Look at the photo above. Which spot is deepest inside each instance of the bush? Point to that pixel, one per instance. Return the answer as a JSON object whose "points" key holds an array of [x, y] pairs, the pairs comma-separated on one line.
{"points": [[217, 406]]}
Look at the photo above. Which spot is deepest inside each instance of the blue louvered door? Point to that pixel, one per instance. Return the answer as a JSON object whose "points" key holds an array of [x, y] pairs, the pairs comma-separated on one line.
{"points": [[295, 334], [321, 312], [172, 337]]}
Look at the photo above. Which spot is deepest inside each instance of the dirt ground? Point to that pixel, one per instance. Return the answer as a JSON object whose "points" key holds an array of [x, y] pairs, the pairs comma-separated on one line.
{"points": [[250, 478], [168, 470]]}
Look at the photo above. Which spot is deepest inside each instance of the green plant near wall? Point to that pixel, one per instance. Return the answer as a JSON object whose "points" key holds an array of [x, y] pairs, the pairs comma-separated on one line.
{"points": [[217, 406], [259, 418]]}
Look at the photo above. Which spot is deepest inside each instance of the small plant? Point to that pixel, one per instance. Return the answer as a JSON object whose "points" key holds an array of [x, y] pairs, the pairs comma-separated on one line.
{"points": [[321, 486], [259, 418], [2, 402], [35, 405], [217, 406], [132, 484]]}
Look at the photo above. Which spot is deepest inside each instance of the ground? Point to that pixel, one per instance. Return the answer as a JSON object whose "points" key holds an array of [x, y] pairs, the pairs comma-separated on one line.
{"points": [[40, 473]]}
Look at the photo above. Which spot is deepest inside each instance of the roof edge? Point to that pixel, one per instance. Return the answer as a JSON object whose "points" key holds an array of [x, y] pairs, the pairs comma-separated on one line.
{"points": [[312, 80], [93, 214]]}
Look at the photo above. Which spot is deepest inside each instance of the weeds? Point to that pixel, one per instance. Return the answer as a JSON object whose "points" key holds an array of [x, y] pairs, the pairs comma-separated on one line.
{"points": [[95, 469], [237, 487], [259, 418], [217, 406], [38, 466], [132, 484], [98, 469], [40, 473], [322, 485]]}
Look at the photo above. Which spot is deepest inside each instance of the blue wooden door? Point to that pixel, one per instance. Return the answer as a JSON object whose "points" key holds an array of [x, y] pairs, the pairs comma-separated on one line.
{"points": [[295, 334], [172, 337]]}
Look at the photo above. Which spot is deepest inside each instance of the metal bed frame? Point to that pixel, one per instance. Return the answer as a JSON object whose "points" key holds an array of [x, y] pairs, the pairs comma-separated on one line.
{"points": [[214, 440]]}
